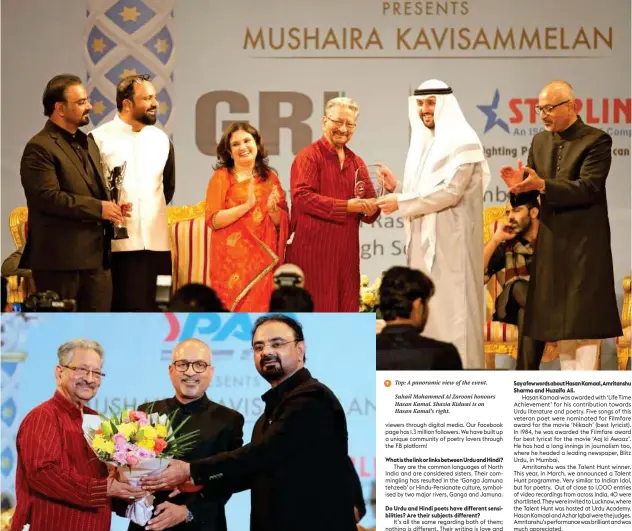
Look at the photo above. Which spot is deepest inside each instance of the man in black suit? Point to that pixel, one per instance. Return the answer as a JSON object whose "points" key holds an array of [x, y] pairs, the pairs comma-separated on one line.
{"points": [[568, 164], [404, 297], [221, 429], [297, 463], [67, 245]]}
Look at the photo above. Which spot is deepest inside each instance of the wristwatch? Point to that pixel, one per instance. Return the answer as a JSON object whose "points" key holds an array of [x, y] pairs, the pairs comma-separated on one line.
{"points": [[189, 517]]}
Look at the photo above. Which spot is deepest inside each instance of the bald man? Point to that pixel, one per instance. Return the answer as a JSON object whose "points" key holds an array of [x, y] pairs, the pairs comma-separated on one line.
{"points": [[221, 429], [571, 297]]}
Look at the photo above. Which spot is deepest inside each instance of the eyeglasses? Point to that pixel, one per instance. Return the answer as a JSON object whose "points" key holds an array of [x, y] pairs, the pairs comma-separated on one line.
{"points": [[340, 123], [82, 372], [258, 348], [183, 365], [548, 108]]}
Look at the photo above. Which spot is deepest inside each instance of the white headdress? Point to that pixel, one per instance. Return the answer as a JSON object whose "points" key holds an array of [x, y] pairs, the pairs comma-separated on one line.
{"points": [[435, 156]]}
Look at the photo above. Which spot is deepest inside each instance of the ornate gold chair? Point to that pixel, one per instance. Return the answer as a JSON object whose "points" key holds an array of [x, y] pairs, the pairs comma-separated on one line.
{"points": [[623, 342], [190, 246], [18, 287], [501, 338]]}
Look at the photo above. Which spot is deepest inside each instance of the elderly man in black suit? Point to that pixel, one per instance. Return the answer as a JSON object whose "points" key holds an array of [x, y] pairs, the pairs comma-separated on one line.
{"points": [[68, 244], [404, 297], [297, 464], [571, 297]]}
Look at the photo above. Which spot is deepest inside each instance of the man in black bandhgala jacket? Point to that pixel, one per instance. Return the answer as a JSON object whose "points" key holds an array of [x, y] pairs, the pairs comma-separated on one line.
{"points": [[221, 429]]}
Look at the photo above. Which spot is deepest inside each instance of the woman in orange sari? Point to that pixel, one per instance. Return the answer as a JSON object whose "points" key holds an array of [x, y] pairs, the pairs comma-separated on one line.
{"points": [[248, 215]]}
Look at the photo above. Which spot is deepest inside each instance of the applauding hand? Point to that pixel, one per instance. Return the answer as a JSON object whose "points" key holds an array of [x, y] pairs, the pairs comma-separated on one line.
{"points": [[512, 176], [273, 200], [252, 199]]}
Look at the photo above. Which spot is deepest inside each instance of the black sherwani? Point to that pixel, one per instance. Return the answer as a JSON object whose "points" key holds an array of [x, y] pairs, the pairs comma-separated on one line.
{"points": [[297, 464], [221, 430], [401, 348], [571, 290]]}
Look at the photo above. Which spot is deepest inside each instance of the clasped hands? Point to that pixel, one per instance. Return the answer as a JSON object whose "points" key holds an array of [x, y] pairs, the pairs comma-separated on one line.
{"points": [[110, 211], [367, 207], [515, 179], [166, 514]]}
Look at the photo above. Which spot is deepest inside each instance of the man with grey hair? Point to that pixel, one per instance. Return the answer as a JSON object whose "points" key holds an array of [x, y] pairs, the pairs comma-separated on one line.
{"points": [[58, 476], [327, 210]]}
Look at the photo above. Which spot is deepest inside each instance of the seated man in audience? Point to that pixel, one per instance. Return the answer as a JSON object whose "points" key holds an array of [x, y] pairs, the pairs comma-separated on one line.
{"points": [[510, 252], [291, 299], [404, 297], [196, 298]]}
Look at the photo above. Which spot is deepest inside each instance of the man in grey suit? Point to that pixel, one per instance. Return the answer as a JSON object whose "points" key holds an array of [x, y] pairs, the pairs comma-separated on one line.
{"points": [[571, 297], [69, 206]]}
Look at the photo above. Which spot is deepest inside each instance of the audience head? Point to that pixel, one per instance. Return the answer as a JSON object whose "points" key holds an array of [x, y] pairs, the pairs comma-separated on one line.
{"points": [[196, 298], [523, 211], [291, 299], [404, 296]]}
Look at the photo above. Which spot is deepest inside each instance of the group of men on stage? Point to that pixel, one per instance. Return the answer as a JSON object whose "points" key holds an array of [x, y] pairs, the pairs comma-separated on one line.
{"points": [[70, 180], [555, 278]]}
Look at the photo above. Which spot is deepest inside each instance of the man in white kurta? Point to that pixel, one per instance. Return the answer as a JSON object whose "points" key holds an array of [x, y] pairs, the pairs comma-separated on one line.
{"points": [[441, 202], [131, 138]]}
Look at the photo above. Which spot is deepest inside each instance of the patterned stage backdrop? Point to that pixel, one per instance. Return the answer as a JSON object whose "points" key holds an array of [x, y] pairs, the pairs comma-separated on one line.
{"points": [[340, 353], [14, 353], [128, 37]]}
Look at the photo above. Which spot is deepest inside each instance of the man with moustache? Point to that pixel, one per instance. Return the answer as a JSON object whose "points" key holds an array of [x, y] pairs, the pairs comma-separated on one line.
{"points": [[149, 182], [59, 481], [571, 296], [221, 430], [404, 302], [327, 210], [441, 201], [69, 207], [508, 255], [297, 464]]}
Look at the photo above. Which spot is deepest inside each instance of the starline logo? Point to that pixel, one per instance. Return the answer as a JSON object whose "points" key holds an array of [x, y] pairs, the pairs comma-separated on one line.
{"points": [[521, 112]]}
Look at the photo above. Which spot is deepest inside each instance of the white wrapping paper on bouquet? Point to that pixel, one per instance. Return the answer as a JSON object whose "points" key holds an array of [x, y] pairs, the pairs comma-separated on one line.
{"points": [[140, 511]]}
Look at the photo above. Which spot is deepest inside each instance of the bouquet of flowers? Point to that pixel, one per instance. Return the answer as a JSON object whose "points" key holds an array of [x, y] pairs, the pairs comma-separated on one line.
{"points": [[370, 295], [137, 444]]}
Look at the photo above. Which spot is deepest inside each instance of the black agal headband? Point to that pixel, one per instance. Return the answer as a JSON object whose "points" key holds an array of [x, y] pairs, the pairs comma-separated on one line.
{"points": [[431, 91]]}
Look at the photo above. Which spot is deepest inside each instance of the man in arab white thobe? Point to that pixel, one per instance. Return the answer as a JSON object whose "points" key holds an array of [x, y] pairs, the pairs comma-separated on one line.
{"points": [[441, 202]]}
